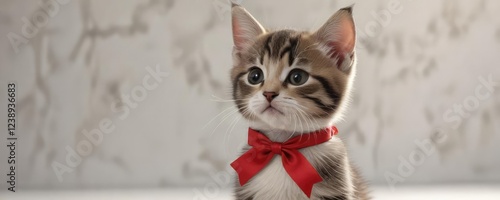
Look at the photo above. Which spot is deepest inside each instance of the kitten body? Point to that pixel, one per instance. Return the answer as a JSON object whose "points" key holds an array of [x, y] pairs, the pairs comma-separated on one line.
{"points": [[288, 83]]}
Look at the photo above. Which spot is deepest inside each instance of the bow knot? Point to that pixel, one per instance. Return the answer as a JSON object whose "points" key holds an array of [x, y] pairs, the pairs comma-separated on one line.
{"points": [[296, 165], [276, 147]]}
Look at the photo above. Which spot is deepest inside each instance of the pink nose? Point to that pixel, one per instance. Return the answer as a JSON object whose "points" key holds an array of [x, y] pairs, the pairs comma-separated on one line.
{"points": [[270, 96]]}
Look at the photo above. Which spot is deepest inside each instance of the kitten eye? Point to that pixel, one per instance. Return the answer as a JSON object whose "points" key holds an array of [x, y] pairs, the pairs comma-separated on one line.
{"points": [[298, 77], [255, 76]]}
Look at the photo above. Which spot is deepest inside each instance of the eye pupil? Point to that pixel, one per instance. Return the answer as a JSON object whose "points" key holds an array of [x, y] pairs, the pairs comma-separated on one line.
{"points": [[297, 77], [255, 77]]}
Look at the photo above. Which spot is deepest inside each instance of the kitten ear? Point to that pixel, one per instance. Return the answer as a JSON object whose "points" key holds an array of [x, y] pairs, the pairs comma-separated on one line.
{"points": [[245, 27], [338, 35]]}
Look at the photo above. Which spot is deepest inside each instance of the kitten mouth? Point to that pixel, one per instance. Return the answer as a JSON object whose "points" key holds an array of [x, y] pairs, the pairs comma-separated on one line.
{"points": [[272, 110]]}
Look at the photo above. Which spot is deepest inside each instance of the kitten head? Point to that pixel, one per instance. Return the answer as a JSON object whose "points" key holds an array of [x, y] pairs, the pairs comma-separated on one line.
{"points": [[292, 80]]}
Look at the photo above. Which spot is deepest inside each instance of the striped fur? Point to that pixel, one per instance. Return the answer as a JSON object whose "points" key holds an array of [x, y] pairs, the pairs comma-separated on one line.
{"points": [[328, 58]]}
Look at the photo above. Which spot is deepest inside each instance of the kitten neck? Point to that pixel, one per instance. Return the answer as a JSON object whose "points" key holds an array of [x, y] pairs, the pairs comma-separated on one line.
{"points": [[282, 135]]}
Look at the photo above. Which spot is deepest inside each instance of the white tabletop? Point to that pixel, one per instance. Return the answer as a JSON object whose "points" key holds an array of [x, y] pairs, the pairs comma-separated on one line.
{"points": [[488, 192]]}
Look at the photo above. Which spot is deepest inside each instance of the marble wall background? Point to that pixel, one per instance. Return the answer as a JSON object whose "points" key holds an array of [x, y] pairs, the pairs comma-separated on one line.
{"points": [[90, 53]]}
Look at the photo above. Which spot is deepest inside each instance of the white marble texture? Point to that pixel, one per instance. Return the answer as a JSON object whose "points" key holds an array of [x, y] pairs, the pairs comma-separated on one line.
{"points": [[410, 72]]}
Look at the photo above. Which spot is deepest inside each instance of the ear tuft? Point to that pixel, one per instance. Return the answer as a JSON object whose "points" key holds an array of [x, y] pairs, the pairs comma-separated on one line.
{"points": [[338, 34], [233, 4], [348, 9], [245, 27]]}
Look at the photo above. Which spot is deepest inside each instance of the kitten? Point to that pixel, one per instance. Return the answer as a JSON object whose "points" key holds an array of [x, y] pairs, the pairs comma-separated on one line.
{"points": [[287, 83]]}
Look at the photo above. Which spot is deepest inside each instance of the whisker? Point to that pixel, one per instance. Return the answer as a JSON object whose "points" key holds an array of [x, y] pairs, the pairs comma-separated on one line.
{"points": [[228, 132], [223, 119], [213, 118], [309, 117], [219, 99]]}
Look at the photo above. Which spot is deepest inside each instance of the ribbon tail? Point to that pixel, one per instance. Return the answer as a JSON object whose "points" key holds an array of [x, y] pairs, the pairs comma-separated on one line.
{"points": [[301, 172], [248, 165]]}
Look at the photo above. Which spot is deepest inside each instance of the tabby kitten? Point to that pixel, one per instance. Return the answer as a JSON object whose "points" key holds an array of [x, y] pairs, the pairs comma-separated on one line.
{"points": [[287, 83]]}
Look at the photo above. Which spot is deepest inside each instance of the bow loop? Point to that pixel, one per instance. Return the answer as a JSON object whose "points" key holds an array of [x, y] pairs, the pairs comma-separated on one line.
{"points": [[296, 165]]}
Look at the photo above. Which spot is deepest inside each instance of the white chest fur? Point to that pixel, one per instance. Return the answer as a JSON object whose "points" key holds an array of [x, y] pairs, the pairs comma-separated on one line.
{"points": [[273, 182]]}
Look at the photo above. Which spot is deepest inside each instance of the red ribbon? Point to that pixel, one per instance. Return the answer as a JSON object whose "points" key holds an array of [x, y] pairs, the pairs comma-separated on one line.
{"points": [[295, 164]]}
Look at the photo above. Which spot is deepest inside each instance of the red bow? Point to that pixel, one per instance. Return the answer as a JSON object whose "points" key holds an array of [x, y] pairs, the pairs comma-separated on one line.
{"points": [[295, 164]]}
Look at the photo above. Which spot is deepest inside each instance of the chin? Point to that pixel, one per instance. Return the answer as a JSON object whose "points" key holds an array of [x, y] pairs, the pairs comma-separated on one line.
{"points": [[286, 122], [276, 121]]}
